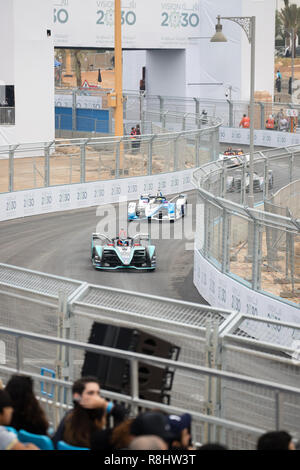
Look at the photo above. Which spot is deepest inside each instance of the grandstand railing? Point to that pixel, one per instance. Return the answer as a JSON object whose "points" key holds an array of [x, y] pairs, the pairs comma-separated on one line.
{"points": [[134, 400], [232, 382]]}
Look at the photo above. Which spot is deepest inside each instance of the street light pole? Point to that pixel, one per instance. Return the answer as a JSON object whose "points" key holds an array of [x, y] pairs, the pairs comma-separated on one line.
{"points": [[252, 89], [247, 23], [118, 71]]}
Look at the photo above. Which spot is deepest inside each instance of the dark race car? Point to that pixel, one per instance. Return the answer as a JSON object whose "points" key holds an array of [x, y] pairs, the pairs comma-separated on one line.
{"points": [[123, 252]]}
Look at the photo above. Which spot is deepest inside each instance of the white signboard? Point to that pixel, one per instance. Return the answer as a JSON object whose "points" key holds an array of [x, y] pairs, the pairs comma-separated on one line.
{"points": [[146, 24], [291, 112], [76, 196], [262, 138]]}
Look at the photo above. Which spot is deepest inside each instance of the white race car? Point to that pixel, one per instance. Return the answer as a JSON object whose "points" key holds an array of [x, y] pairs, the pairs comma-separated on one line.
{"points": [[157, 207], [234, 183]]}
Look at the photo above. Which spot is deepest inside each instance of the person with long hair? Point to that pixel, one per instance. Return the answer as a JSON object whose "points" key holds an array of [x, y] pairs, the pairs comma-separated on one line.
{"points": [[28, 413], [82, 423]]}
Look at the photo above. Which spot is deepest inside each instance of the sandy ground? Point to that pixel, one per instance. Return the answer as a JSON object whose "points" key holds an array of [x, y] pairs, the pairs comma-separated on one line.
{"points": [[271, 281], [284, 64]]}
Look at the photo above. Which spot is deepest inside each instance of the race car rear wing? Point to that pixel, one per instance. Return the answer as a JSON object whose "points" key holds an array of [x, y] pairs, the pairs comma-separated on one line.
{"points": [[100, 236]]}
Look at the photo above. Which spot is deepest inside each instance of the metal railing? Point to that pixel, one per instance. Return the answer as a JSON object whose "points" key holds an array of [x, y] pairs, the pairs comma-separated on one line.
{"points": [[133, 399], [92, 159], [229, 110], [256, 245]]}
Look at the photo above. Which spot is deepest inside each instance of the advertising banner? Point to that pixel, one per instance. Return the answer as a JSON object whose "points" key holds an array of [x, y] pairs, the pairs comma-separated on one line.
{"points": [[220, 290], [145, 24], [76, 196], [262, 138]]}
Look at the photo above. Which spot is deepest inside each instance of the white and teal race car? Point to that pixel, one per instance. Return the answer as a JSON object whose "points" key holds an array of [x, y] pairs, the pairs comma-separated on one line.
{"points": [[157, 207], [123, 252]]}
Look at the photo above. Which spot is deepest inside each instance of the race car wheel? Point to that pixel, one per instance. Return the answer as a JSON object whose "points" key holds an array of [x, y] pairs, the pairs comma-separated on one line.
{"points": [[93, 258], [151, 262]]}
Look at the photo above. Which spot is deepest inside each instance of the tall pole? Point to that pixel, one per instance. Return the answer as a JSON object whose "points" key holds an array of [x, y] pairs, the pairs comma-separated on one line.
{"points": [[118, 71], [252, 88], [293, 61]]}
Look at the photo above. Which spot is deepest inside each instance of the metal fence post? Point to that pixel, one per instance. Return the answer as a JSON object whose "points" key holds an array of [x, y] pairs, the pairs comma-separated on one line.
{"points": [[291, 166], [175, 161], [82, 160], [230, 112], [161, 106], [266, 179], [134, 388], [197, 110], [262, 115], [278, 410], [118, 149], [197, 148], [163, 119], [150, 154], [47, 165], [257, 256], [225, 242], [212, 385], [243, 184], [19, 352], [11, 168], [74, 108]]}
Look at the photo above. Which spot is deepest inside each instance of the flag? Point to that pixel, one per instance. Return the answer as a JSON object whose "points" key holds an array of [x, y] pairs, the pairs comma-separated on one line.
{"points": [[99, 76]]}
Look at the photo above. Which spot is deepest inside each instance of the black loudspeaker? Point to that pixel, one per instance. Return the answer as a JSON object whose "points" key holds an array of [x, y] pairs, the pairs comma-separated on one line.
{"points": [[114, 373]]}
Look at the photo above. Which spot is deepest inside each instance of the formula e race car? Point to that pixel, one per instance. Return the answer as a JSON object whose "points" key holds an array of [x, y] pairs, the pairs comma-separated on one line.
{"points": [[123, 252], [234, 183], [157, 207], [233, 157]]}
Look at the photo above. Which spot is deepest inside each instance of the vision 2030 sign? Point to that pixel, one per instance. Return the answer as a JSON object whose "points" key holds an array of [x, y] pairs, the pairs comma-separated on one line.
{"points": [[145, 24]]}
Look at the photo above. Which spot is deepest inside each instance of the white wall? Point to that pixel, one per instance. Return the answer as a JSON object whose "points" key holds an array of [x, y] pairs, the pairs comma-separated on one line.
{"points": [[229, 63], [28, 64], [6, 43], [215, 62], [133, 63], [264, 10], [219, 64], [166, 72]]}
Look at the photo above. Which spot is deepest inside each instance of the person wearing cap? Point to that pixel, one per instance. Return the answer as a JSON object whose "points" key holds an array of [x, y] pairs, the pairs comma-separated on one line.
{"points": [[153, 423], [9, 439], [180, 427]]}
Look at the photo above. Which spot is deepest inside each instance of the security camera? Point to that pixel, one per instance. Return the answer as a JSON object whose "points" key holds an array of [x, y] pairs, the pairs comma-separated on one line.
{"points": [[226, 94]]}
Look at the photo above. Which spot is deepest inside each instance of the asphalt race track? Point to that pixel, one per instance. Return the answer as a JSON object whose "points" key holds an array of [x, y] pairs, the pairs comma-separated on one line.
{"points": [[60, 244]]}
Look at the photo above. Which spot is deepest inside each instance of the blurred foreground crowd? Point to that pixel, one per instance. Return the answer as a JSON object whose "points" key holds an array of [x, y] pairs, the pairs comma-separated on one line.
{"points": [[99, 425]]}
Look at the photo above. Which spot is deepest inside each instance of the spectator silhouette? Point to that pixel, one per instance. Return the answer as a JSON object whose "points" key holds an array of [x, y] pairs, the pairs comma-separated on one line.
{"points": [[27, 414], [89, 407], [138, 139], [275, 440], [8, 439], [180, 427], [245, 122]]}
